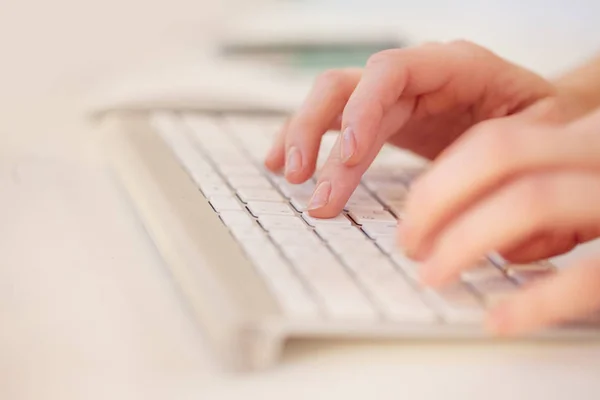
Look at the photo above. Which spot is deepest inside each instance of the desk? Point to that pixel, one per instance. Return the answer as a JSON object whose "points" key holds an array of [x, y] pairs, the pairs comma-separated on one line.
{"points": [[89, 312]]}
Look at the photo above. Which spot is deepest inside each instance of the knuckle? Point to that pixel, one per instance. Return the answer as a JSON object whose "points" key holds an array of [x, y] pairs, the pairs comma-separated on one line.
{"points": [[381, 57]]}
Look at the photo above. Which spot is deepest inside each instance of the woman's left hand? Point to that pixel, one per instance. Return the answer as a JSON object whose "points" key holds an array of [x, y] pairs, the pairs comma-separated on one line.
{"points": [[525, 190]]}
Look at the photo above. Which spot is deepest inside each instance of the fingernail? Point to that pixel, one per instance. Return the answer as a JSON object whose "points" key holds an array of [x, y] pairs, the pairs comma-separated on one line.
{"points": [[294, 160], [348, 144], [320, 197]]}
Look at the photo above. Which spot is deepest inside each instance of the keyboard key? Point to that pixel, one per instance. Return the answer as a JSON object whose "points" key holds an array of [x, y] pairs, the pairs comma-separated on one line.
{"points": [[361, 198], [393, 194], [247, 232], [408, 266], [382, 184], [335, 288], [387, 244], [398, 299], [300, 203], [299, 253], [457, 303], [337, 232], [248, 181], [252, 194], [286, 238], [239, 170], [278, 276], [367, 216], [361, 193], [527, 273], [206, 175], [363, 204], [338, 220], [225, 203], [375, 230], [483, 271], [299, 195], [494, 290], [290, 190], [236, 218], [397, 208], [271, 222], [352, 248], [356, 262], [258, 208], [214, 188]]}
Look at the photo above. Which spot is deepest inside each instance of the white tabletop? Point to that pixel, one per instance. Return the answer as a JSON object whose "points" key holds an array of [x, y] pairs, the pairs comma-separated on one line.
{"points": [[88, 310]]}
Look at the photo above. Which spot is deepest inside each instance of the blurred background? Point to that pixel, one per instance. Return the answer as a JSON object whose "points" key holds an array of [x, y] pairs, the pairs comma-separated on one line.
{"points": [[63, 45], [55, 53]]}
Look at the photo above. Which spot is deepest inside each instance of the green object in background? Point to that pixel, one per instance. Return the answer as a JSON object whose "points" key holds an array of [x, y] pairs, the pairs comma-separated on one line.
{"points": [[311, 58], [331, 59]]}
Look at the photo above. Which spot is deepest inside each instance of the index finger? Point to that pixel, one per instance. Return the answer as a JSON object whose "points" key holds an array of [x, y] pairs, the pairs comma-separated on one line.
{"points": [[409, 72]]}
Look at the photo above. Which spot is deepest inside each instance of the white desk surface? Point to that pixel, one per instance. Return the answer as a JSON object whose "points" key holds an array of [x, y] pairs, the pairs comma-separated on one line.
{"points": [[88, 311]]}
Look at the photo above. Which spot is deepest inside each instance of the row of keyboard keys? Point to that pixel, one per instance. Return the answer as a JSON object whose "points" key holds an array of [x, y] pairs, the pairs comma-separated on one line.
{"points": [[246, 181], [259, 208], [278, 276], [276, 222], [340, 220], [368, 216], [225, 203], [255, 194], [329, 280], [339, 232], [287, 237], [457, 303], [398, 300]]}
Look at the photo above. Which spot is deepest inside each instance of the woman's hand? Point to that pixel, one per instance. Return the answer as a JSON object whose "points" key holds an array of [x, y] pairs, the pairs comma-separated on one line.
{"points": [[420, 99], [525, 189]]}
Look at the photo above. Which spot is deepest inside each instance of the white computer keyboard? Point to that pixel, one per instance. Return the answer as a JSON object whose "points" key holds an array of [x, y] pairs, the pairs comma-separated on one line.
{"points": [[348, 267]]}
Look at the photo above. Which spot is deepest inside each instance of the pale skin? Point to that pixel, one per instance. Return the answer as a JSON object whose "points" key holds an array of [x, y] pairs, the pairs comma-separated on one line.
{"points": [[515, 165]]}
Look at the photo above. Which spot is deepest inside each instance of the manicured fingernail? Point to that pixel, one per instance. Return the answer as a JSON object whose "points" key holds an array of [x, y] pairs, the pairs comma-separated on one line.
{"points": [[294, 161], [348, 144], [320, 197]]}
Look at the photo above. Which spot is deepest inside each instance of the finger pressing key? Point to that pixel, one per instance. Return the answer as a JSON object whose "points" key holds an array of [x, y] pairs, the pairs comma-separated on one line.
{"points": [[337, 181], [320, 112]]}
